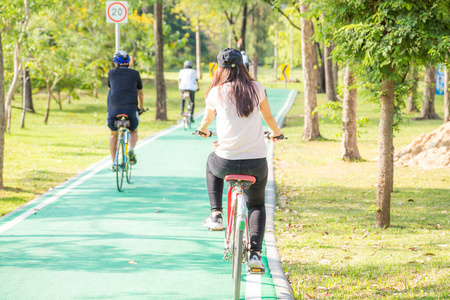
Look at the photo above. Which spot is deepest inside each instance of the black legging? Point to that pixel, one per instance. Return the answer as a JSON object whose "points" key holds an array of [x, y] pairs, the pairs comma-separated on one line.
{"points": [[192, 97], [216, 170]]}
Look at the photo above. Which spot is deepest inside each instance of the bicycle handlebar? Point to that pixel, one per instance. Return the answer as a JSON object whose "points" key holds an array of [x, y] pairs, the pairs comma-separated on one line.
{"points": [[280, 137], [141, 111], [266, 134], [199, 133]]}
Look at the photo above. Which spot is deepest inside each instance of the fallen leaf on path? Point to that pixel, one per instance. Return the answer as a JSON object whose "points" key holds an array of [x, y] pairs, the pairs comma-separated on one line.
{"points": [[347, 257], [429, 254], [414, 248], [410, 200]]}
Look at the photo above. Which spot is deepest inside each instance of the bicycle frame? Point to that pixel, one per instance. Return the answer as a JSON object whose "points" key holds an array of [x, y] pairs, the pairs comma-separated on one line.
{"points": [[123, 135], [236, 203]]}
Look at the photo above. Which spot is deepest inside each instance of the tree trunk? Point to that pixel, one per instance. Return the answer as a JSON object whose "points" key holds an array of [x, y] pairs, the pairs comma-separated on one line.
{"points": [[2, 112], [243, 28], [385, 156], [161, 113], [29, 93], [335, 74], [427, 112], [311, 123], [330, 85], [198, 49], [59, 100], [230, 35], [24, 97], [275, 54], [291, 35], [49, 98], [447, 97], [255, 66], [17, 67], [413, 76], [95, 93], [349, 148], [69, 100], [319, 69]]}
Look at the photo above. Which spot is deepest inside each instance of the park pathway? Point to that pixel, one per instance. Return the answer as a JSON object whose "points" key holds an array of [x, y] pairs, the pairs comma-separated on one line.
{"points": [[85, 240]]}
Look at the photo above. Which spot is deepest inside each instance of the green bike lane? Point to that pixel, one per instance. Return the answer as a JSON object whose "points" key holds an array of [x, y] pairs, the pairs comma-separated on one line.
{"points": [[85, 240]]}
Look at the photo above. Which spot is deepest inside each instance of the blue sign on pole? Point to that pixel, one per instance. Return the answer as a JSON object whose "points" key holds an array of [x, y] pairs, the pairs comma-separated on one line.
{"points": [[440, 81]]}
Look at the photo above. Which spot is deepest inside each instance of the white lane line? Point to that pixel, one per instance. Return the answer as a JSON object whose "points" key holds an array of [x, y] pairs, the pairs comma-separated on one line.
{"points": [[104, 163], [59, 194], [253, 287]]}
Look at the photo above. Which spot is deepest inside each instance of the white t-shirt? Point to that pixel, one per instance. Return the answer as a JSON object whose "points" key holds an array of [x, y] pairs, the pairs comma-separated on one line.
{"points": [[238, 137], [187, 79]]}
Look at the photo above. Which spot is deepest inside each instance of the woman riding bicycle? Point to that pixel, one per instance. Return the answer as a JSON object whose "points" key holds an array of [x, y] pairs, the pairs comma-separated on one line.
{"points": [[239, 103]]}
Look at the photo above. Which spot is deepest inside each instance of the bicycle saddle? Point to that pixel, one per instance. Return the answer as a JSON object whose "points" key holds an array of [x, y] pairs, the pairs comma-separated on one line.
{"points": [[238, 177], [118, 117]]}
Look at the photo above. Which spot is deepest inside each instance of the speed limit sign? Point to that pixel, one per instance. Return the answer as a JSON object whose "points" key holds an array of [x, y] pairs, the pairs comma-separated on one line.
{"points": [[117, 11]]}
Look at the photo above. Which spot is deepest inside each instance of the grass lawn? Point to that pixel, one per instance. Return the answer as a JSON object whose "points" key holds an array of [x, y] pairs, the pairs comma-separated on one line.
{"points": [[325, 216]]}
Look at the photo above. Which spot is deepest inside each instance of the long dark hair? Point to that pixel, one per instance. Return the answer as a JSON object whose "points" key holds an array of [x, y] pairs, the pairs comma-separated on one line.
{"points": [[243, 90]]}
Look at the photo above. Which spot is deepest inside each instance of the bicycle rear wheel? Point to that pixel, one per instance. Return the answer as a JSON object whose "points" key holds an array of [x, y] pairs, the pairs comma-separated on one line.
{"points": [[120, 166], [189, 116], [237, 263], [185, 122], [128, 169]]}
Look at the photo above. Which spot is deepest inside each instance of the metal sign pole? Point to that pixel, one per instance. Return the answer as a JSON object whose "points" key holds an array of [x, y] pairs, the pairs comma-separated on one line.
{"points": [[117, 37]]}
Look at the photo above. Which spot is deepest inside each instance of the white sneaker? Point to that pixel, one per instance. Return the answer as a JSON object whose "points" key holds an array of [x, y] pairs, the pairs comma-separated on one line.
{"points": [[255, 264], [214, 222]]}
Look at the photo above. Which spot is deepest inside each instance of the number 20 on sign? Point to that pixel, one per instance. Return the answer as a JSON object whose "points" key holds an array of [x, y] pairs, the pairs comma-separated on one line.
{"points": [[117, 11]]}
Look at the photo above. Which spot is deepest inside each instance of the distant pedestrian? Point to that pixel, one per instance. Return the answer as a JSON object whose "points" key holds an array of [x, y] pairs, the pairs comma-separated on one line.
{"points": [[188, 83], [245, 60]]}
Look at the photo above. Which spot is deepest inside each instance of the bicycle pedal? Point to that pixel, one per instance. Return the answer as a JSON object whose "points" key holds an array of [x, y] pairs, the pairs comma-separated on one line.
{"points": [[256, 271], [219, 229]]}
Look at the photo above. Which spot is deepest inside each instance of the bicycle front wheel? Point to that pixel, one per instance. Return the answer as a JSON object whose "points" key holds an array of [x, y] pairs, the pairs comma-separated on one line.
{"points": [[120, 166]]}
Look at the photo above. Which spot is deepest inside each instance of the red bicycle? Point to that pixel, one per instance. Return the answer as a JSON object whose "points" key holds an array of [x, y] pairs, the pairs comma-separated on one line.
{"points": [[237, 242]]}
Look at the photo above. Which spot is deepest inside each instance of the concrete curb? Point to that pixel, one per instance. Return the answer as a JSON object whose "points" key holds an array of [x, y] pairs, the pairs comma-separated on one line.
{"points": [[282, 286]]}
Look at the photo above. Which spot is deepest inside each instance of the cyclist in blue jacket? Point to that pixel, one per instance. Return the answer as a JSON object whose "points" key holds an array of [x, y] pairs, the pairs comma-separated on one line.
{"points": [[125, 96]]}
